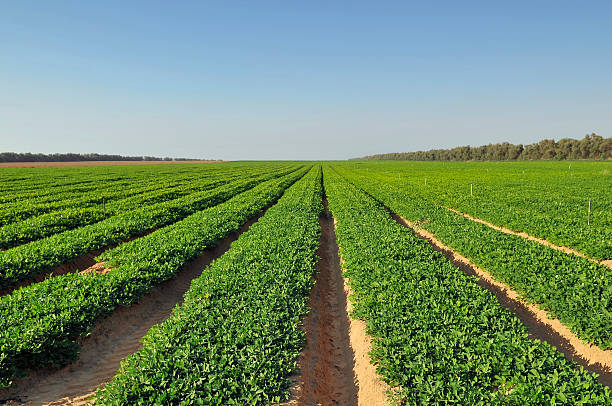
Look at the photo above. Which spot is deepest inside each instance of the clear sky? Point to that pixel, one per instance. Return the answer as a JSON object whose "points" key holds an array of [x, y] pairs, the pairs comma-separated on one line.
{"points": [[300, 79]]}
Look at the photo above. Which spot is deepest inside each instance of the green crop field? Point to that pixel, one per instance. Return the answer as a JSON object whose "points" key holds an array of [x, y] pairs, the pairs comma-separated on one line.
{"points": [[469, 283]]}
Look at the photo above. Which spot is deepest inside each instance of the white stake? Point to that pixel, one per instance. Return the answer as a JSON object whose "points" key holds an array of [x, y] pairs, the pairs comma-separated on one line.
{"points": [[425, 180], [471, 194], [589, 215]]}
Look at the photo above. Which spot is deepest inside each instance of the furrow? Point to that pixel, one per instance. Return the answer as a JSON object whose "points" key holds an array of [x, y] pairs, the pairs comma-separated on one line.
{"points": [[542, 241]]}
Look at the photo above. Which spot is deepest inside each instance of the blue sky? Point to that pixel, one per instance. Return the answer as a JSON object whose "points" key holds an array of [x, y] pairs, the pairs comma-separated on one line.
{"points": [[300, 80]]}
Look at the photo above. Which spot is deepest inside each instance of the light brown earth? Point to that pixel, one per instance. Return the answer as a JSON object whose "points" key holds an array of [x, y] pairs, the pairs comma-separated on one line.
{"points": [[94, 163], [335, 367], [326, 363], [538, 321], [372, 391], [111, 340], [567, 250]]}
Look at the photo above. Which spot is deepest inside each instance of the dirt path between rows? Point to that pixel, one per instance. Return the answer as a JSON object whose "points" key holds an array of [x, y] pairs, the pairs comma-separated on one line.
{"points": [[334, 366], [537, 321], [505, 230], [372, 391], [326, 363], [112, 339]]}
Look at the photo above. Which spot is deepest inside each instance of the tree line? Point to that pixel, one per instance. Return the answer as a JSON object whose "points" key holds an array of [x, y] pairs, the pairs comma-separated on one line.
{"points": [[69, 157], [592, 146]]}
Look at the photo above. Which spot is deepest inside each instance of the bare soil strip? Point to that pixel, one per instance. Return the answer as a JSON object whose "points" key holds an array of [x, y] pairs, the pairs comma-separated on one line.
{"points": [[112, 339], [372, 391], [567, 250], [94, 163], [538, 322], [326, 363]]}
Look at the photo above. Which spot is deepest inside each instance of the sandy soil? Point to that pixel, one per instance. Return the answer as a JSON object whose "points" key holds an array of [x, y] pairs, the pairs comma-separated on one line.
{"points": [[335, 366], [326, 363], [567, 250], [94, 163], [111, 340], [538, 322], [372, 391]]}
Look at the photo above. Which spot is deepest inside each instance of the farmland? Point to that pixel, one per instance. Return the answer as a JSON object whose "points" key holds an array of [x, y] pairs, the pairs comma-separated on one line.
{"points": [[256, 282]]}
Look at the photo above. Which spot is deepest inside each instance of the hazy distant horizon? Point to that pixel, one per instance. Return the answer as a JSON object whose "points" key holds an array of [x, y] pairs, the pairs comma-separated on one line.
{"points": [[300, 81]]}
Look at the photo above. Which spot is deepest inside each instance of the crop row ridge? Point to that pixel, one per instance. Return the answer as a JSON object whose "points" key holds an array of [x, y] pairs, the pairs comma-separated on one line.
{"points": [[538, 321], [530, 237], [83, 264], [540, 324], [116, 336]]}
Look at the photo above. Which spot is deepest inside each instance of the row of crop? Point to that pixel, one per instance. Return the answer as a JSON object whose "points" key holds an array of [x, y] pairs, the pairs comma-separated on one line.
{"points": [[42, 183], [237, 336], [48, 188], [529, 212], [25, 207], [25, 261], [41, 322], [54, 222], [439, 338], [112, 193], [546, 200], [34, 228], [15, 187], [31, 183], [575, 290], [105, 181]]}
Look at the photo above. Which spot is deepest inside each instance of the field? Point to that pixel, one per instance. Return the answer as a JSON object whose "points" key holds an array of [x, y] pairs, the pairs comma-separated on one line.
{"points": [[301, 283]]}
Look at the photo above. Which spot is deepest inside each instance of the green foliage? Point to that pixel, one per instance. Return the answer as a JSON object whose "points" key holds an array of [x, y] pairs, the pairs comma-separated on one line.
{"points": [[571, 288], [439, 338], [30, 192], [236, 337], [548, 200], [55, 222], [592, 146], [26, 261], [41, 322]]}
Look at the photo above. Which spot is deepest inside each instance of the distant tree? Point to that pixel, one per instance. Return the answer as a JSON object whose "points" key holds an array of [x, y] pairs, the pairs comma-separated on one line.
{"points": [[592, 146]]}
